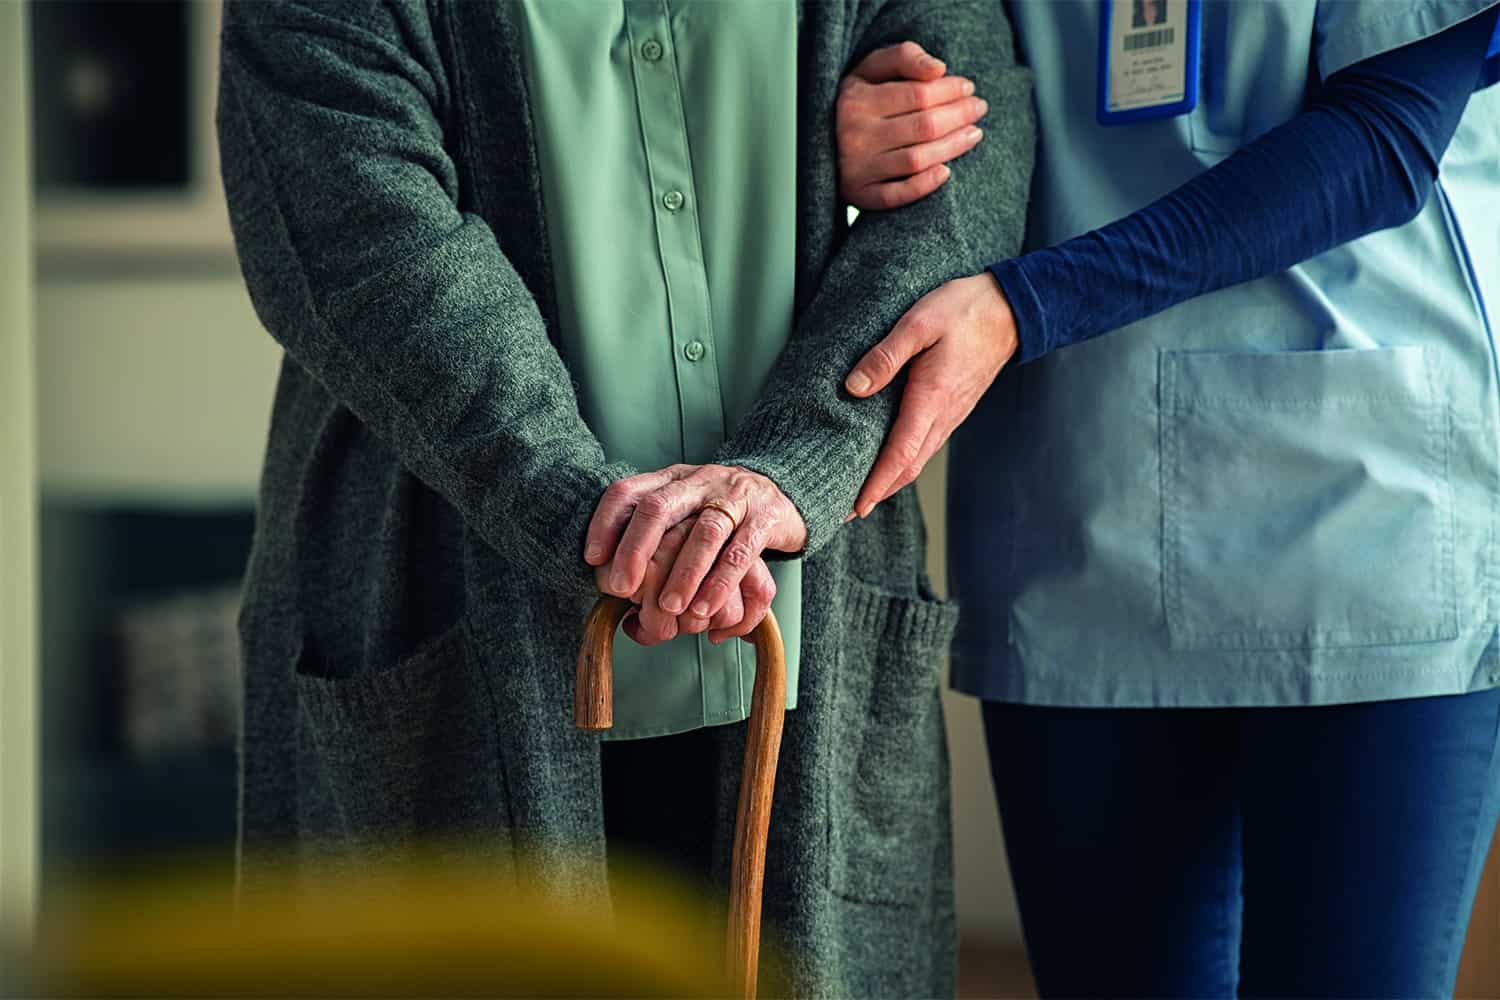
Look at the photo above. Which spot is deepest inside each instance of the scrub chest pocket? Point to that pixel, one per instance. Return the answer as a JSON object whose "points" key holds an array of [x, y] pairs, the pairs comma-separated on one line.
{"points": [[1305, 499]]}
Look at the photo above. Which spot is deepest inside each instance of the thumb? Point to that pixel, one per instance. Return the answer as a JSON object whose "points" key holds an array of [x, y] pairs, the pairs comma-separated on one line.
{"points": [[906, 61], [885, 360]]}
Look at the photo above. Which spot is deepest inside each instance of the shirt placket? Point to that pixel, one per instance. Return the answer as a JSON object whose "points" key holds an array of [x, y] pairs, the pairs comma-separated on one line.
{"points": [[654, 50], [675, 210]]}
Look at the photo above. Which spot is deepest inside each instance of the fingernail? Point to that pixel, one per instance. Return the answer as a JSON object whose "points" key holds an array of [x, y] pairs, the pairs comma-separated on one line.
{"points": [[850, 517], [974, 134], [858, 382], [984, 106], [672, 603], [617, 581], [944, 172], [968, 88], [592, 553], [865, 510], [701, 609]]}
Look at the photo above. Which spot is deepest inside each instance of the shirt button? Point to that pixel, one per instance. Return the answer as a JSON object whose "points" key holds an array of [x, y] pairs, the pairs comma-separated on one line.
{"points": [[672, 200], [694, 350], [651, 50]]}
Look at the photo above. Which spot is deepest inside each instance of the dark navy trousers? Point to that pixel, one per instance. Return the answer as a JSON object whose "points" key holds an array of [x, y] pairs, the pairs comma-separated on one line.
{"points": [[1297, 852]]}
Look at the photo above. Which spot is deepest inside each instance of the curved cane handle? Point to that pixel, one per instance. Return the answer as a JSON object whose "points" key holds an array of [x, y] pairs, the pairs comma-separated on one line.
{"points": [[594, 690], [594, 710]]}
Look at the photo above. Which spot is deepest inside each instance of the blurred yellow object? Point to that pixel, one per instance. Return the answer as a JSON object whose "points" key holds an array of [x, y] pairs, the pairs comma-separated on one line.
{"points": [[407, 928]]}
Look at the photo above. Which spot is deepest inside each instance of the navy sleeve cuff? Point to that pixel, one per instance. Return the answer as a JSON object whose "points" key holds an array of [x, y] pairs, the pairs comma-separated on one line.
{"points": [[1032, 335]]}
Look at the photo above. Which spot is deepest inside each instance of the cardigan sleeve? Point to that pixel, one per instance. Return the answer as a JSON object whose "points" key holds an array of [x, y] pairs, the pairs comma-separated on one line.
{"points": [[808, 435], [343, 201]]}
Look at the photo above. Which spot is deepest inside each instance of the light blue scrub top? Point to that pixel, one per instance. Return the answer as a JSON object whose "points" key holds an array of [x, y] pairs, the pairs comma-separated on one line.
{"points": [[1282, 493]]}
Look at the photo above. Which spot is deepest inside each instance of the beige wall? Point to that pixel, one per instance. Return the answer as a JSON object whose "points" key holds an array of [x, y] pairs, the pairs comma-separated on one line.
{"points": [[18, 742], [153, 387]]}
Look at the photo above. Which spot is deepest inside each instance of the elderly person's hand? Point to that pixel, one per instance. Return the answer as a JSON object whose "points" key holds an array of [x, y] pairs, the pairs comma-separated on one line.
{"points": [[649, 625], [700, 567], [956, 339], [899, 120]]}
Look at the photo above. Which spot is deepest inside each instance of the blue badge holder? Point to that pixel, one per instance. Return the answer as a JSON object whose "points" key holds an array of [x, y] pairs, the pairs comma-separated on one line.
{"points": [[1190, 84]]}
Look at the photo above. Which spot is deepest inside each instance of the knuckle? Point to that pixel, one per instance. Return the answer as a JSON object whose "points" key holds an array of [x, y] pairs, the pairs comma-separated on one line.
{"points": [[910, 50], [655, 506], [920, 326], [744, 485], [884, 359], [887, 197], [911, 160], [737, 557], [927, 126], [849, 101]]}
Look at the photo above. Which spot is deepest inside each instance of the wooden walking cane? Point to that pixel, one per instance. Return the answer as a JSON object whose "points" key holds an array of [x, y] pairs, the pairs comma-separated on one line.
{"points": [[593, 709]]}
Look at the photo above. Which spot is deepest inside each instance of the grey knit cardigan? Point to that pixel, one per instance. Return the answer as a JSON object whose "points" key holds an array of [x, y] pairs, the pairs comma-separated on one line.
{"points": [[416, 587]]}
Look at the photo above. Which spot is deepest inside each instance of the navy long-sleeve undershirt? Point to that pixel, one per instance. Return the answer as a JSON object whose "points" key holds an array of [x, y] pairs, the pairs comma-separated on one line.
{"points": [[1362, 156]]}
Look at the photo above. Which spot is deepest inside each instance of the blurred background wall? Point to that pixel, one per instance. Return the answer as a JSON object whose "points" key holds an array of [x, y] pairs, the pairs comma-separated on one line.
{"points": [[154, 389]]}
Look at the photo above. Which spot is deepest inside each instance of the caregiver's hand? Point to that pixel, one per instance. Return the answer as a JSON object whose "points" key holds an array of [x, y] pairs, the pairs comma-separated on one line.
{"points": [[956, 339], [899, 120], [739, 515], [649, 625]]}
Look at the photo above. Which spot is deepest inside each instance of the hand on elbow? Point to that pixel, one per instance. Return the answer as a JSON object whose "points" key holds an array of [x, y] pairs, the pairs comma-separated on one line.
{"points": [[900, 120]]}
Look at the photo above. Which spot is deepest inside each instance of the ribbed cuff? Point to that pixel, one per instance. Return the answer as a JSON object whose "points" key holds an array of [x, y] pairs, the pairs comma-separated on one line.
{"points": [[1032, 333], [552, 521], [807, 468]]}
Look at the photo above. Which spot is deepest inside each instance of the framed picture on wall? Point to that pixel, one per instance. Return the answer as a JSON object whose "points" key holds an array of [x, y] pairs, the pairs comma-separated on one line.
{"points": [[123, 119]]}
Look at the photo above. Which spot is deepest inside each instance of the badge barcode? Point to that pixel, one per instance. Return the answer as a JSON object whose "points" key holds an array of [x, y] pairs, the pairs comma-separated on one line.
{"points": [[1149, 39]]}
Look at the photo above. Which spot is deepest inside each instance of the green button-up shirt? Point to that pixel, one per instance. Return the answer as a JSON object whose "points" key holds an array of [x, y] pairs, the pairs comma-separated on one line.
{"points": [[666, 131]]}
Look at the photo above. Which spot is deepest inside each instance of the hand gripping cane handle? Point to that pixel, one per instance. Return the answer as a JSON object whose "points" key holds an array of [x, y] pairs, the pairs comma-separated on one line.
{"points": [[593, 709]]}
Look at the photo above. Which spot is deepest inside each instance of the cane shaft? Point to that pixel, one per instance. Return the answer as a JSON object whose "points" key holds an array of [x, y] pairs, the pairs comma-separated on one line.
{"points": [[752, 822], [593, 710]]}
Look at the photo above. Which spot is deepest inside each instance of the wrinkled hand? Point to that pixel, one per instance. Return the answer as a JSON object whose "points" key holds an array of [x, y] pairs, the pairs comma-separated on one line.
{"points": [[649, 625], [956, 339], [899, 121], [704, 566]]}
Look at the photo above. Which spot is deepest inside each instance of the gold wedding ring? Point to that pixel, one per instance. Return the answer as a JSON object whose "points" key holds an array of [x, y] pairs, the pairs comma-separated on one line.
{"points": [[722, 508]]}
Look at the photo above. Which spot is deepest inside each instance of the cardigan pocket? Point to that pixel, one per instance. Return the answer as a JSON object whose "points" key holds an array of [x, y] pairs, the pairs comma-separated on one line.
{"points": [[1306, 499], [410, 753], [889, 790]]}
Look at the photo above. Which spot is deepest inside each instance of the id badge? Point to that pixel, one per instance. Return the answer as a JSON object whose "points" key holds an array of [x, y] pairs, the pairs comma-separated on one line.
{"points": [[1148, 59]]}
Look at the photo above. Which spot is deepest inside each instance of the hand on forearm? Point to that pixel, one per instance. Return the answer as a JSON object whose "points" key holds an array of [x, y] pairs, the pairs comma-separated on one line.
{"points": [[953, 343], [686, 542]]}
